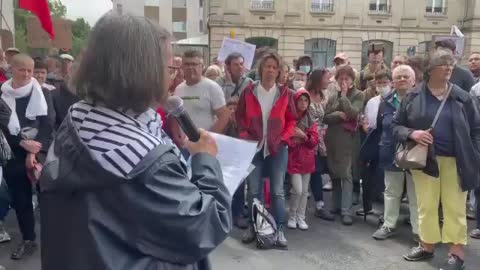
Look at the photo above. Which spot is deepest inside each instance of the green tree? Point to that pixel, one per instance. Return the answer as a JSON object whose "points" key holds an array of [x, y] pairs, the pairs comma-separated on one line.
{"points": [[80, 31], [57, 9]]}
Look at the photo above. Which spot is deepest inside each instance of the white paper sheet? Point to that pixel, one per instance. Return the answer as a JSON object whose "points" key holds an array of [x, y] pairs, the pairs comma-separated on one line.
{"points": [[229, 46], [235, 157]]}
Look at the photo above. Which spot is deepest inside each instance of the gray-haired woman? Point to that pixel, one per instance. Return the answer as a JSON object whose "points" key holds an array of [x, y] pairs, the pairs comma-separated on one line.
{"points": [[453, 158], [115, 193]]}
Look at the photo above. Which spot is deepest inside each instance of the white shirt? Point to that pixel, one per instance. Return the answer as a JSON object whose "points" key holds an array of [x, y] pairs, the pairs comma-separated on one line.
{"points": [[266, 100], [201, 101], [371, 111], [48, 86], [475, 91]]}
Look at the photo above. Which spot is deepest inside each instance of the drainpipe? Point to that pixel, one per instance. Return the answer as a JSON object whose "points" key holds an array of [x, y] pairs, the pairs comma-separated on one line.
{"points": [[209, 32], [462, 26]]}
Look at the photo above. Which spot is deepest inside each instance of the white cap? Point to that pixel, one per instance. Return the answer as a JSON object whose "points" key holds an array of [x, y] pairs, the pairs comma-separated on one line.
{"points": [[67, 57], [13, 49]]}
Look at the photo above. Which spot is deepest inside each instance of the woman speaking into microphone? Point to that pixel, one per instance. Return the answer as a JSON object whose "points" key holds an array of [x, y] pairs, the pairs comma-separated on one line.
{"points": [[115, 192]]}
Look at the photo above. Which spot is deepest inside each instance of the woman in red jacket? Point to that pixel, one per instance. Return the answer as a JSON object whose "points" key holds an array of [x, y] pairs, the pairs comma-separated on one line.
{"points": [[301, 160], [266, 113]]}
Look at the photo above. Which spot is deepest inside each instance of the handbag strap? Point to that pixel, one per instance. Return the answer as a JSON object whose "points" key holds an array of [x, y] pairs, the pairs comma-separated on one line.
{"points": [[437, 115]]}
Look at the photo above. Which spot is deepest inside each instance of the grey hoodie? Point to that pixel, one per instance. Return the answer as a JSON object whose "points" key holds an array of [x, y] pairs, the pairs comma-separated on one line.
{"points": [[153, 218]]}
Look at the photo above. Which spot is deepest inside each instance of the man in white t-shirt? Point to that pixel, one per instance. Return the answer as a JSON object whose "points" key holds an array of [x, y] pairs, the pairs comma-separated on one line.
{"points": [[203, 98]]}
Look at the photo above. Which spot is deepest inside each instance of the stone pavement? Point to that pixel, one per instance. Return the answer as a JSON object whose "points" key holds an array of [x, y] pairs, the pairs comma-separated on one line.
{"points": [[326, 246]]}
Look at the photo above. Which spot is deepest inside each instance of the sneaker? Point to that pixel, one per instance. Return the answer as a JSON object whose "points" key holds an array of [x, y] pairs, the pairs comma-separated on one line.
{"points": [[347, 220], [383, 233], [281, 239], [4, 236], [475, 234], [292, 223], [418, 254], [26, 248], [249, 235], [302, 225], [324, 214], [240, 223], [328, 186], [453, 263]]}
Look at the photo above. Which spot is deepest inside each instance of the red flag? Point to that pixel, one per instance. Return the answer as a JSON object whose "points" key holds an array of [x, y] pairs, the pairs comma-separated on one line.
{"points": [[39, 8]]}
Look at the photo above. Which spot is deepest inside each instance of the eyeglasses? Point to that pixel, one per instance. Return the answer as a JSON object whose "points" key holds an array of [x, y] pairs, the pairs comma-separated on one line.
{"points": [[174, 68]]}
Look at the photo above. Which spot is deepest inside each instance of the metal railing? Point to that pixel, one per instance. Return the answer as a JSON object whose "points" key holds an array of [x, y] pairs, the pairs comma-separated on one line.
{"points": [[322, 7], [262, 5], [436, 11], [380, 8]]}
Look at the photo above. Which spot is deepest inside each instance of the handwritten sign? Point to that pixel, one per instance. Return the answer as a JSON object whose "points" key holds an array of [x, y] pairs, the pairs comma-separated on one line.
{"points": [[229, 46]]}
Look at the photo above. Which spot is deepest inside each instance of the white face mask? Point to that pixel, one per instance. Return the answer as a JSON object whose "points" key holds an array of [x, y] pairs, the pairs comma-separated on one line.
{"points": [[298, 84], [384, 90]]}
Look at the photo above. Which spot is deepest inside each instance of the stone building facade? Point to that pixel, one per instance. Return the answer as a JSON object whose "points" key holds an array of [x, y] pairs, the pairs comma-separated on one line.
{"points": [[184, 18], [322, 28]]}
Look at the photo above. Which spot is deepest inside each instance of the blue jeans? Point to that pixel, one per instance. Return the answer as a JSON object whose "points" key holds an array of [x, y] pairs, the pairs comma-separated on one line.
{"points": [[274, 166], [4, 201], [238, 201]]}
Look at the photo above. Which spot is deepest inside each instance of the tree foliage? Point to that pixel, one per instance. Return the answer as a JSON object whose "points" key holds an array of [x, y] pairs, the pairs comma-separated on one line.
{"points": [[57, 9], [80, 27]]}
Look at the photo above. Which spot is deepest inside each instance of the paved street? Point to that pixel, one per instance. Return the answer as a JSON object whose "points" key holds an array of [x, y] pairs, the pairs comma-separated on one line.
{"points": [[325, 246]]}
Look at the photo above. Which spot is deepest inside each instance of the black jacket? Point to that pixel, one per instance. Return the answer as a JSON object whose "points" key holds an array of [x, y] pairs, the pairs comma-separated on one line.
{"points": [[62, 99], [156, 218], [463, 78], [412, 116], [43, 123]]}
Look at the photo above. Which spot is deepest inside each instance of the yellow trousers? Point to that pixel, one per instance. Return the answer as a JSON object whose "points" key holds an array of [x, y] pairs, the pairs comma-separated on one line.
{"points": [[430, 191]]}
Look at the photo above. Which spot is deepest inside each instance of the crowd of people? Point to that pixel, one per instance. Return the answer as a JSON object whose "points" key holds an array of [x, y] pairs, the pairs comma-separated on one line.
{"points": [[343, 127], [337, 126], [34, 99]]}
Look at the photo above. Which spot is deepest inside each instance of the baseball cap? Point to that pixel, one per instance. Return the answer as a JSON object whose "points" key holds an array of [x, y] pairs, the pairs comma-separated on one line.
{"points": [[342, 56]]}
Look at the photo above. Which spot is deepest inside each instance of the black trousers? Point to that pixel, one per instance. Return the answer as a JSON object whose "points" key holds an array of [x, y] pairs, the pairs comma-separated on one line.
{"points": [[373, 183], [20, 189]]}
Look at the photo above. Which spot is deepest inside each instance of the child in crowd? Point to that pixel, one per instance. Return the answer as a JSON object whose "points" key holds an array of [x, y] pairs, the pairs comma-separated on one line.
{"points": [[301, 159]]}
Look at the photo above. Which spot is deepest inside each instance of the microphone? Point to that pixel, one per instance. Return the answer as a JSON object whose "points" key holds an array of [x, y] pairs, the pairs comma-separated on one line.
{"points": [[176, 109]]}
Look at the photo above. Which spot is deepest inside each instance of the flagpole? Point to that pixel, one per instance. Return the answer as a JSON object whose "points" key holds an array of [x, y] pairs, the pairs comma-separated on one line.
{"points": [[1, 12]]}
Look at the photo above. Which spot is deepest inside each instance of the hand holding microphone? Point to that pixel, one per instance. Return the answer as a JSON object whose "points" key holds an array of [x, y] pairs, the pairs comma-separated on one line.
{"points": [[200, 141], [206, 144]]}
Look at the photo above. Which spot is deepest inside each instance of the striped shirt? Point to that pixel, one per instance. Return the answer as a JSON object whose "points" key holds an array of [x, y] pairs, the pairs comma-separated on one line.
{"points": [[118, 140]]}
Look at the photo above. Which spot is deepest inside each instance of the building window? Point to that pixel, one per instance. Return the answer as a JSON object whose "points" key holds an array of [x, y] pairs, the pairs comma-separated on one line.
{"points": [[179, 27], [201, 26], [179, 3], [322, 6], [152, 3], [201, 3], [262, 4], [436, 7], [379, 6], [322, 51], [120, 9], [263, 42]]}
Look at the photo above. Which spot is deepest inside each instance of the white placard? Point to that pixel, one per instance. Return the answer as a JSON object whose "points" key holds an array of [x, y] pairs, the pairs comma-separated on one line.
{"points": [[229, 46]]}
